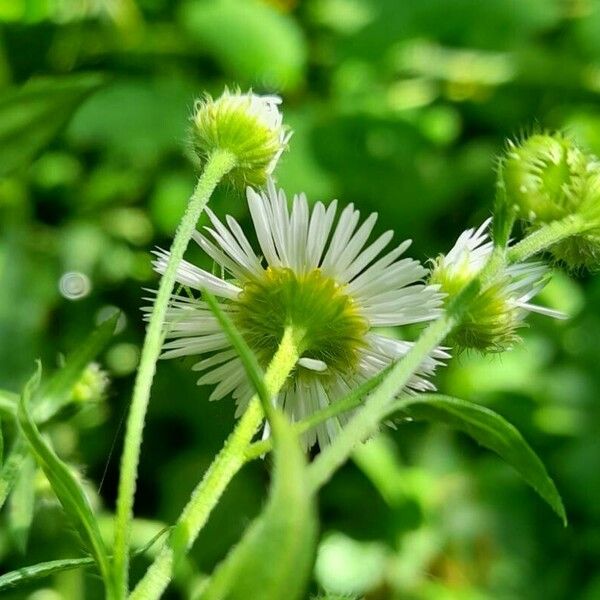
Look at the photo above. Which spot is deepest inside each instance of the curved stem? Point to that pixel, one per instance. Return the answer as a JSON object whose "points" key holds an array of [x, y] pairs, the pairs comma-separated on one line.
{"points": [[227, 463], [217, 166]]}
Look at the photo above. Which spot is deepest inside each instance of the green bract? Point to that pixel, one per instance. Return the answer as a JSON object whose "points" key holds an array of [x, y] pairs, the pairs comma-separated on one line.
{"points": [[314, 304], [247, 126]]}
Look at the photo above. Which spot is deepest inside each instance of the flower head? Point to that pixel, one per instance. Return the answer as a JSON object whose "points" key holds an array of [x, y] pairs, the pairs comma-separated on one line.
{"points": [[501, 306], [247, 125], [324, 281]]}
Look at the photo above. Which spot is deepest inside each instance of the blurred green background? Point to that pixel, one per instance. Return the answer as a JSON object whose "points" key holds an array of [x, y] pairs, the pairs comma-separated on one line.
{"points": [[398, 106]]}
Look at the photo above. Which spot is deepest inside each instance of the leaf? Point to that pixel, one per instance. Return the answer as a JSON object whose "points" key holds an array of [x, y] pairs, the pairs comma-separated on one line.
{"points": [[274, 558], [28, 574], [254, 42], [33, 114], [22, 503], [11, 467], [8, 405], [490, 430], [66, 487], [57, 392]]}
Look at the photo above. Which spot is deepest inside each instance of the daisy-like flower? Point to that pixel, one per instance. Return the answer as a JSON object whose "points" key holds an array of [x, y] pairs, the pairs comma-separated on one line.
{"points": [[324, 281], [501, 307], [248, 126]]}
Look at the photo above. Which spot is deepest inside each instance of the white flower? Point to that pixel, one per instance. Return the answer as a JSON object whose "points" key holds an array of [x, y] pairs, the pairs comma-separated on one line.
{"points": [[248, 126], [502, 306], [324, 280]]}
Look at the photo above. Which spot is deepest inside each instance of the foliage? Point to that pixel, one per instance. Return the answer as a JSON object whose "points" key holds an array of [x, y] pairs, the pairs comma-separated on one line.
{"points": [[398, 107]]}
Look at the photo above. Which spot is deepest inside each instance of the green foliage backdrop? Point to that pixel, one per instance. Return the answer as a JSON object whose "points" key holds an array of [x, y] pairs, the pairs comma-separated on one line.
{"points": [[399, 107]]}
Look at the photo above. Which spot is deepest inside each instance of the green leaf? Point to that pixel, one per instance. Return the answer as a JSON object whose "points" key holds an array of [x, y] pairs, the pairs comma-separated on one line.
{"points": [[22, 503], [26, 575], [8, 405], [33, 114], [274, 558], [65, 485], [254, 42], [11, 467], [490, 430], [57, 392]]}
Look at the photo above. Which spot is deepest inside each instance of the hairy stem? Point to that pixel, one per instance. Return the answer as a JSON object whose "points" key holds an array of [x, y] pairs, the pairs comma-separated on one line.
{"points": [[227, 463], [546, 236], [366, 419], [217, 166]]}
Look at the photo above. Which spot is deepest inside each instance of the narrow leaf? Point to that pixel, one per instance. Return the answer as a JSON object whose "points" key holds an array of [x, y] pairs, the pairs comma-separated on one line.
{"points": [[21, 506], [26, 575], [57, 392], [64, 484], [274, 558], [490, 430], [11, 468], [33, 114]]}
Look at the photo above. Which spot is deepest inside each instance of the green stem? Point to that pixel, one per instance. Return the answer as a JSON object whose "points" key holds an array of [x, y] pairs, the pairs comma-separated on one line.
{"points": [[227, 463], [217, 166], [366, 419], [546, 236]]}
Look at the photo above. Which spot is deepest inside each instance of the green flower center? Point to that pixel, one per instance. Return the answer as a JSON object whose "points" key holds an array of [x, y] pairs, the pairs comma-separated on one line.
{"points": [[328, 320]]}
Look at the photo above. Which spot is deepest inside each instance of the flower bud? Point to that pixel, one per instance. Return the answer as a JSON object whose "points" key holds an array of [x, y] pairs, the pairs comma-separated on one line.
{"points": [[246, 125], [91, 386], [549, 178], [495, 315], [582, 250], [543, 175]]}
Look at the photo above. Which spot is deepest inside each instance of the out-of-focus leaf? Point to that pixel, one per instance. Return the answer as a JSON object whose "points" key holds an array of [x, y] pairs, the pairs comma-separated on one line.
{"points": [[11, 467], [257, 44], [32, 115], [21, 505], [136, 120], [66, 487], [57, 392], [8, 407], [490, 430], [274, 557], [28, 574]]}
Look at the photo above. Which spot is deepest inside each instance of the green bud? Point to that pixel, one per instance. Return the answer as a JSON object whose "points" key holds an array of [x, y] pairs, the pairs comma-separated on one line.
{"points": [[583, 249], [549, 178], [543, 176], [92, 385], [246, 125]]}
